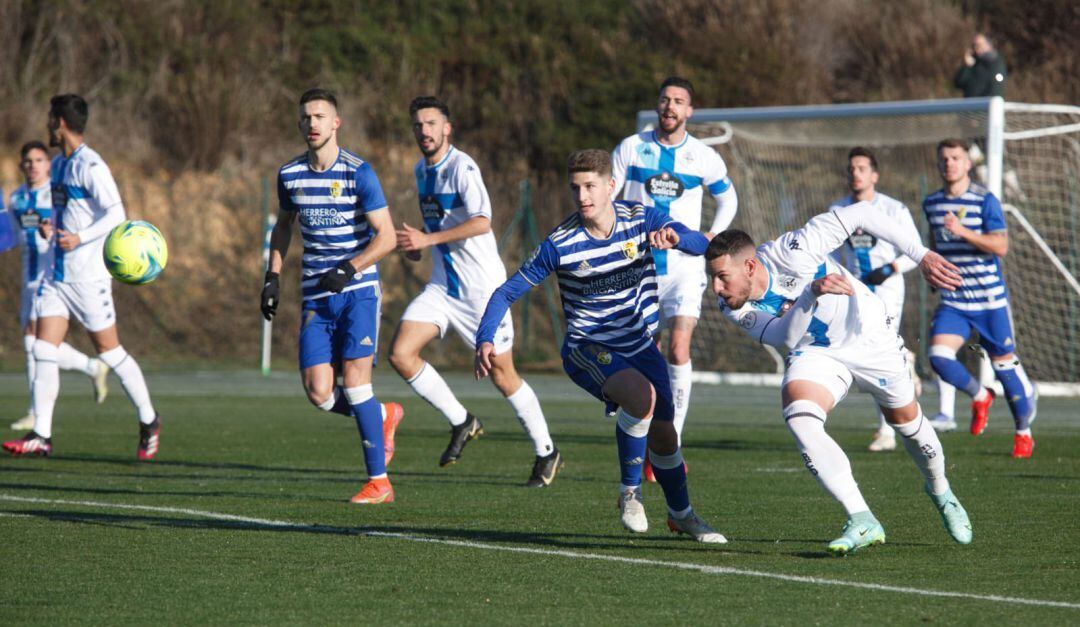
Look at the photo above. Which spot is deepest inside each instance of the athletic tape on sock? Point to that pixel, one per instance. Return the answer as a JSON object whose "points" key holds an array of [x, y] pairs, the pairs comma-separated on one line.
{"points": [[633, 427]]}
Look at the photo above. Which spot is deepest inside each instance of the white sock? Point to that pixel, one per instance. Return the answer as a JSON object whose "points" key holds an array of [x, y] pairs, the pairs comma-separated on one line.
{"points": [[924, 447], [946, 398], [527, 408], [131, 377], [31, 363], [46, 387], [680, 393], [70, 358], [431, 387], [823, 456]]}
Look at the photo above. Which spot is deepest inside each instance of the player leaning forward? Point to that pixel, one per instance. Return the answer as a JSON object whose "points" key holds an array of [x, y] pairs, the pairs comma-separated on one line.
{"points": [[607, 279], [86, 205], [790, 294], [346, 229]]}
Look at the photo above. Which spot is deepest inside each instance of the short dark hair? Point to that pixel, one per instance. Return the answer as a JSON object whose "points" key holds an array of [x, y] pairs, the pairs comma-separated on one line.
{"points": [[953, 142], [33, 144], [590, 160], [729, 242], [428, 102], [859, 151], [678, 81], [72, 109], [318, 93]]}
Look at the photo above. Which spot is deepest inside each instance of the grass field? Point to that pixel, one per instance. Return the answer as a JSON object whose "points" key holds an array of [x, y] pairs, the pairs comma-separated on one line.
{"points": [[243, 518]]}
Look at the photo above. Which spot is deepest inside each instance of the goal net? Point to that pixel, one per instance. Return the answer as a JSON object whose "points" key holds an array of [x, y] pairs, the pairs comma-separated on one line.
{"points": [[788, 164]]}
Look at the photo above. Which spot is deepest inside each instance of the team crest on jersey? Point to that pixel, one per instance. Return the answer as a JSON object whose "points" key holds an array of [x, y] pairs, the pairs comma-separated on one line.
{"points": [[664, 186], [748, 319], [335, 189], [629, 249], [603, 358]]}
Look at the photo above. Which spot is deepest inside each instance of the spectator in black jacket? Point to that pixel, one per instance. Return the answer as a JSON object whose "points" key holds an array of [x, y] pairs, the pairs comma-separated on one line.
{"points": [[983, 71]]}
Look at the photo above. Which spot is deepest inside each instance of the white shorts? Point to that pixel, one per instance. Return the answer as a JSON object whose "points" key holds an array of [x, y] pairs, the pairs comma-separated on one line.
{"points": [[881, 371], [433, 305], [680, 294], [26, 308], [90, 302]]}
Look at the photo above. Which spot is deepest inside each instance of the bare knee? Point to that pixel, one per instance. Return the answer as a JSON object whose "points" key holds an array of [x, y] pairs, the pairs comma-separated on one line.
{"points": [[405, 361], [901, 415], [503, 374], [663, 439]]}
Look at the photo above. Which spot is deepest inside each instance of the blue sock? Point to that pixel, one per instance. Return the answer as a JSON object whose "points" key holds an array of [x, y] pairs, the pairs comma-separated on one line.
{"points": [[631, 456], [368, 415], [1019, 392], [944, 363], [671, 475]]}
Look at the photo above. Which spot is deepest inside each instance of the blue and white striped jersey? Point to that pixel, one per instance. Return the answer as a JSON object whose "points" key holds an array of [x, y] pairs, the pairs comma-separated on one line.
{"points": [[29, 207], [608, 286], [983, 286], [332, 207], [452, 192]]}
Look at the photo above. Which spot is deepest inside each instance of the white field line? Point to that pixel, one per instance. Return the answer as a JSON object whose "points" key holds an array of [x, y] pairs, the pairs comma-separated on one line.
{"points": [[702, 568]]}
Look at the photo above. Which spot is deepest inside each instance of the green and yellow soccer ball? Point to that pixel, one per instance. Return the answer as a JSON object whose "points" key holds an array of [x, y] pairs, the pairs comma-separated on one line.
{"points": [[135, 252]]}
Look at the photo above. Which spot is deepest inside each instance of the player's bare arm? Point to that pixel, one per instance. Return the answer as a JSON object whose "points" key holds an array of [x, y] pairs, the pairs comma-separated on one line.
{"points": [[412, 239], [381, 245]]}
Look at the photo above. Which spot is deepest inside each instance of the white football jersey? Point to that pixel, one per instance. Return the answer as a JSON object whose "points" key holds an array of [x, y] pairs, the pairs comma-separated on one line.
{"points": [[862, 252], [672, 179], [84, 196], [28, 208], [451, 192]]}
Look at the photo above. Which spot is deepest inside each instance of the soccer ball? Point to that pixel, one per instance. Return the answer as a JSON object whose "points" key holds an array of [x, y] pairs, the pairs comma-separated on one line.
{"points": [[135, 252]]}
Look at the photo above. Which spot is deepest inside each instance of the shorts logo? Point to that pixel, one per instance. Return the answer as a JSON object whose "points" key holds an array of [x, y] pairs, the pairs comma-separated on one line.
{"points": [[309, 315], [603, 358], [1008, 341], [366, 341], [629, 249], [748, 319], [335, 189]]}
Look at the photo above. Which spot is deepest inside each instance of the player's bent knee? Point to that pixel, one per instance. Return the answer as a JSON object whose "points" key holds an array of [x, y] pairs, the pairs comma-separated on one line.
{"points": [[631, 391], [902, 415]]}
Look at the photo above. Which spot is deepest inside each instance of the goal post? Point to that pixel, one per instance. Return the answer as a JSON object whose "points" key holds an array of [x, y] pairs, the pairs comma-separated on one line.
{"points": [[788, 164]]}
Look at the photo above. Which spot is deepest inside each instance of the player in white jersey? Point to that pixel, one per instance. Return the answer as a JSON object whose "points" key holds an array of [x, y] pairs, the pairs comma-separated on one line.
{"points": [[466, 269], [669, 169], [30, 204], [346, 228], [877, 263], [86, 205], [790, 294]]}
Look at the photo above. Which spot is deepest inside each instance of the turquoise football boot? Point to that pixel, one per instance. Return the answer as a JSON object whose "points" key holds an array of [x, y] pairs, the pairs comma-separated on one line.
{"points": [[953, 515], [860, 530]]}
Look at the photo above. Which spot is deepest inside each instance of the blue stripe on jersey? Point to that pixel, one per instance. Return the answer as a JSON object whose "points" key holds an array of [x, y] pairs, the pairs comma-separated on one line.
{"points": [[771, 302], [434, 223], [721, 186], [818, 329], [667, 164]]}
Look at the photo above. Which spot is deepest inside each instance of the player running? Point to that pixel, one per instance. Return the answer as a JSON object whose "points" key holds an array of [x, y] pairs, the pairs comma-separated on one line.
{"points": [[465, 270], [31, 203], [86, 206], [668, 169], [968, 228], [346, 229], [607, 278], [788, 293], [874, 261]]}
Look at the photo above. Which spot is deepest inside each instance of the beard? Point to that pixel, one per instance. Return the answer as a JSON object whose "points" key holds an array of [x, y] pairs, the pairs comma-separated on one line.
{"points": [[317, 147], [436, 146]]}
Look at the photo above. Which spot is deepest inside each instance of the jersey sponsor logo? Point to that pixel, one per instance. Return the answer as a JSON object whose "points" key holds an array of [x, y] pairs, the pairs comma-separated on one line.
{"points": [[617, 282], [861, 240], [629, 249], [30, 219], [59, 196], [748, 319], [432, 210], [321, 217], [335, 189], [664, 186]]}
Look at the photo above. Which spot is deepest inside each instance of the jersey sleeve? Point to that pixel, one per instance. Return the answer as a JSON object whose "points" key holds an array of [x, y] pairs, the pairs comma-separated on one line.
{"points": [[543, 261], [369, 193], [656, 219], [620, 162], [285, 202], [101, 186], [993, 218], [903, 262], [473, 192]]}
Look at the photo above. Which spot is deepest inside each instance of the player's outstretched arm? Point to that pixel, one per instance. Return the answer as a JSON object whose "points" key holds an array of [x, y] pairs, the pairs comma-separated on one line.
{"points": [[514, 288], [678, 235]]}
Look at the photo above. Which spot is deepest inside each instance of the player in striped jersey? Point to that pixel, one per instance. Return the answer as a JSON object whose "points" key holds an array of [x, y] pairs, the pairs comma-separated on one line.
{"points": [[968, 227], [669, 169], [790, 294], [86, 206], [876, 262], [346, 229], [31, 203], [607, 278], [465, 270]]}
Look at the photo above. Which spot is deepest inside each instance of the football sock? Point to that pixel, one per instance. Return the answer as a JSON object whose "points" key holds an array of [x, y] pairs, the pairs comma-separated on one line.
{"points": [[338, 403], [368, 415], [671, 475], [131, 378], [630, 438], [69, 358], [431, 387], [527, 408], [822, 456], [946, 398], [46, 387], [924, 447], [31, 363], [1019, 392], [943, 360], [681, 382]]}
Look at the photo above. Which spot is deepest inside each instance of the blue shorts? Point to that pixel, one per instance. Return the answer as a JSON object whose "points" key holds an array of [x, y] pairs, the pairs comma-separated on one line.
{"points": [[590, 365], [339, 327], [994, 327]]}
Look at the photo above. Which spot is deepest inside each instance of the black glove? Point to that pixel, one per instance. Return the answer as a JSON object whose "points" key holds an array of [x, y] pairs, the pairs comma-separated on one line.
{"points": [[338, 277], [271, 295], [877, 276]]}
